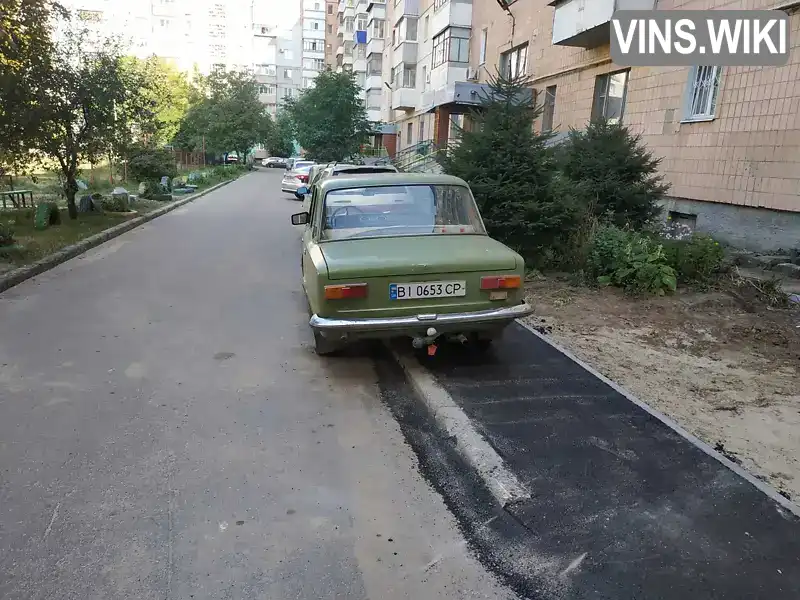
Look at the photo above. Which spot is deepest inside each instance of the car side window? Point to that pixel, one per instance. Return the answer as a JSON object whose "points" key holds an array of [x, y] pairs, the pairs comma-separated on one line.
{"points": [[313, 207]]}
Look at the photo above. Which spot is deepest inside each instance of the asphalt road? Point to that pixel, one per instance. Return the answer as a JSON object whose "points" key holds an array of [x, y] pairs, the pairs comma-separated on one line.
{"points": [[166, 430]]}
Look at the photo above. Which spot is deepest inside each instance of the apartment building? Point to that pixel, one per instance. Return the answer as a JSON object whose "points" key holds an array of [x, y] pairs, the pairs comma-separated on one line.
{"points": [[278, 72], [729, 136], [313, 35], [429, 73], [331, 31]]}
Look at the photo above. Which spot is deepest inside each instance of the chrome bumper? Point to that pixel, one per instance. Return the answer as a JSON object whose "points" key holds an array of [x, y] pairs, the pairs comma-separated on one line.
{"points": [[478, 317]]}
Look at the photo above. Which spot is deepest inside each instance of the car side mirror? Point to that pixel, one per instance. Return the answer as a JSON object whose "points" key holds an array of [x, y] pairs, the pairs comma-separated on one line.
{"points": [[302, 191], [300, 218]]}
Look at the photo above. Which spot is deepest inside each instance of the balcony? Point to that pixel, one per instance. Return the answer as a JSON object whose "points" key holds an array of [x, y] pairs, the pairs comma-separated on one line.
{"points": [[405, 99], [406, 52], [452, 14], [340, 8], [359, 65], [585, 23], [361, 7], [340, 50], [371, 4], [350, 12], [374, 82], [376, 11], [375, 46], [407, 8], [374, 114], [347, 59]]}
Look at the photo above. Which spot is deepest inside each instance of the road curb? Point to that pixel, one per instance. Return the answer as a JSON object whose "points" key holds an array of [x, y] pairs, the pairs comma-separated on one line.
{"points": [[501, 482], [21, 274], [694, 440]]}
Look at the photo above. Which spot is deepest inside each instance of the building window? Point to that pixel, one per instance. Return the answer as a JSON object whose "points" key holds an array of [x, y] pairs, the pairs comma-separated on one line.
{"points": [[452, 45], [308, 82], [164, 23], [349, 22], [378, 28], [330, 9], [393, 75], [424, 75], [409, 77], [438, 4], [287, 54], [362, 23], [287, 73], [374, 65], [426, 27], [319, 64], [312, 45], [609, 96], [411, 30], [315, 25], [330, 28], [266, 88], [394, 36], [316, 6], [484, 40], [421, 135], [410, 133], [514, 63], [549, 109], [701, 93]]}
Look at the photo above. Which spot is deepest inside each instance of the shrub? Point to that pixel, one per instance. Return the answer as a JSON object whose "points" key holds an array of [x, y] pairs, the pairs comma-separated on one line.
{"points": [[6, 234], [510, 169], [696, 259], [630, 260], [114, 204], [613, 172], [151, 164]]}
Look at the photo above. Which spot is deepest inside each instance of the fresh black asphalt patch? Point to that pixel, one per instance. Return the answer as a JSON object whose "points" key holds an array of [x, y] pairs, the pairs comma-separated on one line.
{"points": [[622, 506]]}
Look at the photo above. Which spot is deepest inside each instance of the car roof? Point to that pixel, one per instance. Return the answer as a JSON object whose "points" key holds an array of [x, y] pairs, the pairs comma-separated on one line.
{"points": [[380, 179], [379, 168]]}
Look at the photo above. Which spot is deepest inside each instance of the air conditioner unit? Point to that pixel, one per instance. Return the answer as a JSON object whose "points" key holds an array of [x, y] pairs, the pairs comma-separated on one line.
{"points": [[472, 74]]}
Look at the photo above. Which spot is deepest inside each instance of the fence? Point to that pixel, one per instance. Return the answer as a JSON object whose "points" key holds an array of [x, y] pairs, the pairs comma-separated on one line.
{"points": [[188, 159]]}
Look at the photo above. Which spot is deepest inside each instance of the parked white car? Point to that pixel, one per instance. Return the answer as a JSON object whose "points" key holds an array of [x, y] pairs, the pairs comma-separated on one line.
{"points": [[296, 178]]}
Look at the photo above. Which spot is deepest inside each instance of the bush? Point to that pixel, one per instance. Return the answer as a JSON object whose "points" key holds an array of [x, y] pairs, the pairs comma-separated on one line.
{"points": [[510, 169], [630, 260], [151, 164], [6, 234], [112, 204], [614, 173], [696, 259]]}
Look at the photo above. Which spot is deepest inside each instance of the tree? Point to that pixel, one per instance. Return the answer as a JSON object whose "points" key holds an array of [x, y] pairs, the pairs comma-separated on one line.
{"points": [[25, 50], [329, 119], [75, 107], [615, 173], [227, 115], [280, 141], [510, 170]]}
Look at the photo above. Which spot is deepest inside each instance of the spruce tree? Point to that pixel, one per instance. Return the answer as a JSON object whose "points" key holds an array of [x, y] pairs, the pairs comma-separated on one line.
{"points": [[510, 169]]}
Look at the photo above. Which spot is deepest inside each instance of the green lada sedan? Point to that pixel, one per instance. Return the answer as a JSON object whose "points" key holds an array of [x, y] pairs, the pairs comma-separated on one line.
{"points": [[389, 255]]}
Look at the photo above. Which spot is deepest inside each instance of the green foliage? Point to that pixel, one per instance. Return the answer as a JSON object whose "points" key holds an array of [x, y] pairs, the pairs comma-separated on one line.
{"points": [[151, 164], [510, 169], [226, 115], [330, 120], [280, 141], [6, 234], [696, 259], [630, 260], [47, 214], [613, 172], [114, 204]]}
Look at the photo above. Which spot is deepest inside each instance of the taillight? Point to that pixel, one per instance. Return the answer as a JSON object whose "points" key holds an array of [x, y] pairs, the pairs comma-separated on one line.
{"points": [[346, 292], [303, 178], [502, 282]]}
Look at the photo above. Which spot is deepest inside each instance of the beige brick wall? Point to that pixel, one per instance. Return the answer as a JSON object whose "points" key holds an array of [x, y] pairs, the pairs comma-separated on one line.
{"points": [[749, 155], [331, 41]]}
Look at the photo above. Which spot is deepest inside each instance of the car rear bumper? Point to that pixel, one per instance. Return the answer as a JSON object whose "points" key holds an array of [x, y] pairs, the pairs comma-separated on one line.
{"points": [[443, 323]]}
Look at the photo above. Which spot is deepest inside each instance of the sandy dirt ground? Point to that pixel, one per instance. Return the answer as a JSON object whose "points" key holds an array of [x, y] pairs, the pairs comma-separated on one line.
{"points": [[721, 364]]}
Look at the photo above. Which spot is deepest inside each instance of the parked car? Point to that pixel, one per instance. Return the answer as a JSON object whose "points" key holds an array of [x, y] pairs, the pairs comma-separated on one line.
{"points": [[321, 172], [292, 180], [274, 162], [404, 254], [292, 162]]}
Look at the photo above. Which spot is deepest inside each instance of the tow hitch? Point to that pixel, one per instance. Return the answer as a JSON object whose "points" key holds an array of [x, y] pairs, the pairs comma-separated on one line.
{"points": [[428, 340]]}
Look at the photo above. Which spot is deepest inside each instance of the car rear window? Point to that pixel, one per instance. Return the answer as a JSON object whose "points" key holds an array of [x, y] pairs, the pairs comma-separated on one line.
{"points": [[303, 163]]}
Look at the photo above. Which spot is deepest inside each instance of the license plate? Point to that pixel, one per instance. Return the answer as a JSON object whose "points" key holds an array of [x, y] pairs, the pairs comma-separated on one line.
{"points": [[428, 289]]}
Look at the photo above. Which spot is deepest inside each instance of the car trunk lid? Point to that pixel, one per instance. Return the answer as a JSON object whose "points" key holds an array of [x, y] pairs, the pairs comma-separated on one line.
{"points": [[415, 255]]}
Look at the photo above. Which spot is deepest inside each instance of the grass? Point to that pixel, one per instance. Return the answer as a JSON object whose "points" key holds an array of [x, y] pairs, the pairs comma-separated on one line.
{"points": [[38, 244]]}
